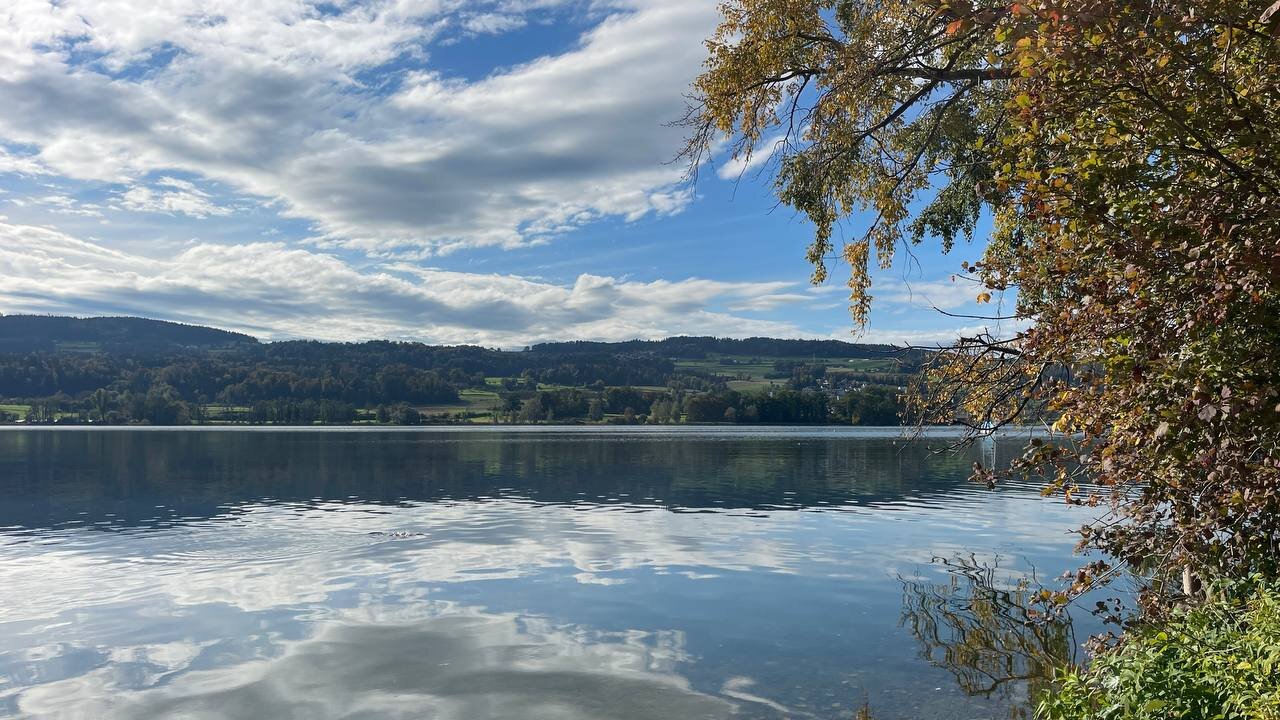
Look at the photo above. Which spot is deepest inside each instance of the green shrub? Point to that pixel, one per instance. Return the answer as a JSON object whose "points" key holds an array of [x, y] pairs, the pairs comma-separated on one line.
{"points": [[1218, 661]]}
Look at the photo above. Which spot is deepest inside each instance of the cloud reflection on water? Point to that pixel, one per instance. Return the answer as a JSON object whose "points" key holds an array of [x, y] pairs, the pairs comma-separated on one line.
{"points": [[217, 573], [464, 664]]}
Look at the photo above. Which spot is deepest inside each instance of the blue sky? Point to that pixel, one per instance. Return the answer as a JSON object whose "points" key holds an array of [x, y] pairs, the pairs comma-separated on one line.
{"points": [[454, 171]]}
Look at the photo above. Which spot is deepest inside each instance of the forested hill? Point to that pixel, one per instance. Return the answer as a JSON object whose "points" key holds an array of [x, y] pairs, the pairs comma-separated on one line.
{"points": [[126, 370], [128, 335], [699, 347], [35, 333]]}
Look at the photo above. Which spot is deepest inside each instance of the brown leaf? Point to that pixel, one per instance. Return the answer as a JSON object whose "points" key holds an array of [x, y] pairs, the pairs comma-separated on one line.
{"points": [[1269, 15]]}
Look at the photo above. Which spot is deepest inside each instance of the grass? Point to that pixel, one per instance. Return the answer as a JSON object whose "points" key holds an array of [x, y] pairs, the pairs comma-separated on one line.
{"points": [[79, 347], [752, 386], [742, 365], [213, 411], [866, 365], [756, 371], [470, 400], [19, 410], [475, 395], [1218, 660]]}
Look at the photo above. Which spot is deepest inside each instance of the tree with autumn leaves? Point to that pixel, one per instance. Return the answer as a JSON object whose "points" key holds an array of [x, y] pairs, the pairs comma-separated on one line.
{"points": [[1128, 156]]}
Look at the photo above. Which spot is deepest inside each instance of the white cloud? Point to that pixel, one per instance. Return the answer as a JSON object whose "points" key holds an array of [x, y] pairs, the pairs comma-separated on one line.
{"points": [[273, 291], [20, 164], [173, 197], [298, 104], [761, 303], [60, 204], [736, 167], [931, 337], [493, 23], [334, 114], [951, 294]]}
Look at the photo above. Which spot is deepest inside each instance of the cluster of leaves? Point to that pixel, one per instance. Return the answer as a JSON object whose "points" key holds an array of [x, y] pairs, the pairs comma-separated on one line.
{"points": [[1144, 242], [1219, 660], [864, 104], [1128, 155]]}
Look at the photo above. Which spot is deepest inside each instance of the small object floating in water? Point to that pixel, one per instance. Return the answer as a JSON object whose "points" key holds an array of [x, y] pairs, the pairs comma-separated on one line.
{"points": [[396, 534]]}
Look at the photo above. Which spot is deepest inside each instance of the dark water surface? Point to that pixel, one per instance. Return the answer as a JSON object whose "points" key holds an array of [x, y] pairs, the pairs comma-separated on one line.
{"points": [[468, 574]]}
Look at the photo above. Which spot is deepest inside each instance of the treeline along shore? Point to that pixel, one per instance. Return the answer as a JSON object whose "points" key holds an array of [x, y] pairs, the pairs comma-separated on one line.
{"points": [[122, 371]]}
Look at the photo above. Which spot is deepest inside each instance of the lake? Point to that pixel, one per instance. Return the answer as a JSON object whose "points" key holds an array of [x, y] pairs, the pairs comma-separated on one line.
{"points": [[632, 573]]}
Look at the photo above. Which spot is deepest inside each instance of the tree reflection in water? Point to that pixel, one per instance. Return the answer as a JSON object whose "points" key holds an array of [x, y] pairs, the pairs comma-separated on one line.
{"points": [[981, 626]]}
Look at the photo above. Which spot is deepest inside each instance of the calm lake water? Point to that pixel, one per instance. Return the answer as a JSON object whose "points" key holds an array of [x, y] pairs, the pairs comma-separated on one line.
{"points": [[525, 574]]}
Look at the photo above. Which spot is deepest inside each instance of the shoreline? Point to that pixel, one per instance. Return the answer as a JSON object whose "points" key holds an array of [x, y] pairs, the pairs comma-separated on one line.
{"points": [[906, 433]]}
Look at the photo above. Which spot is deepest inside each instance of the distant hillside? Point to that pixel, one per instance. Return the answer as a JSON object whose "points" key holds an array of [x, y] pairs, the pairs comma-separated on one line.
{"points": [[44, 333], [48, 333], [700, 347], [131, 370]]}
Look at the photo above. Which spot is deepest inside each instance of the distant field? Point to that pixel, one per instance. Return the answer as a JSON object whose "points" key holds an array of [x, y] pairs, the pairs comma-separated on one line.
{"points": [[19, 410], [714, 363], [80, 347], [215, 411], [757, 368], [553, 386], [479, 399], [752, 386], [471, 400], [867, 364]]}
